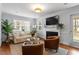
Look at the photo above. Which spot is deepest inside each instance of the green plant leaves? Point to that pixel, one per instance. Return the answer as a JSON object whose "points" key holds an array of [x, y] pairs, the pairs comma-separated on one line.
{"points": [[6, 26]]}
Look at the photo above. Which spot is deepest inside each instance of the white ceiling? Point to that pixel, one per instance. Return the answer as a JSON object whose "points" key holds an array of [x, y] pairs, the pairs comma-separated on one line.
{"points": [[26, 9]]}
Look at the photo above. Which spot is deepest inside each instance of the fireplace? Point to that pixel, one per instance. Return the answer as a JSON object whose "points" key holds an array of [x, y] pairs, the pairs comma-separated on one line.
{"points": [[50, 33]]}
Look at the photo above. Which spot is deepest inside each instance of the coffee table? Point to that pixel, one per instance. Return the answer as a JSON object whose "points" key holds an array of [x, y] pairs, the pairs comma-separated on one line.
{"points": [[33, 47]]}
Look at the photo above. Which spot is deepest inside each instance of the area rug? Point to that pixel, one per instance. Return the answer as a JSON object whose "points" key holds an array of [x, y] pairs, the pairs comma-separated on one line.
{"points": [[16, 49], [61, 51]]}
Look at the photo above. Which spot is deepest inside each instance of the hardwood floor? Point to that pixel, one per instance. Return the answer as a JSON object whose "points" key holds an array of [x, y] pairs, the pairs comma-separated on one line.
{"points": [[70, 49], [5, 49]]}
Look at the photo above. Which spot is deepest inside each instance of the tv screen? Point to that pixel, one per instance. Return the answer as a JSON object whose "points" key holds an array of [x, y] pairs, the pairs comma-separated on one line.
{"points": [[52, 20]]}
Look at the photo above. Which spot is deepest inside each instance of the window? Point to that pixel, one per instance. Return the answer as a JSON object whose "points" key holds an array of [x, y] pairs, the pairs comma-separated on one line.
{"points": [[76, 24], [21, 26]]}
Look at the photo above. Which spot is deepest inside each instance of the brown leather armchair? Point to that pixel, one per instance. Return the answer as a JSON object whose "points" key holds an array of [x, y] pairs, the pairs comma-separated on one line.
{"points": [[33, 50], [52, 42]]}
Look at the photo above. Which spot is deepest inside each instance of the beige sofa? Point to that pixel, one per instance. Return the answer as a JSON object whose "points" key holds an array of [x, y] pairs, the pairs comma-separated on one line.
{"points": [[21, 37]]}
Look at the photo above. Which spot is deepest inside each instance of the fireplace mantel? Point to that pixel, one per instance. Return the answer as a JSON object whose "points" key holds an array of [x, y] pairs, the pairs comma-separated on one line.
{"points": [[52, 29]]}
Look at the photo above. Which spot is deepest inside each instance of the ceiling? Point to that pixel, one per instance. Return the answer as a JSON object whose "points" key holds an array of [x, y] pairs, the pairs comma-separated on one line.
{"points": [[26, 9]]}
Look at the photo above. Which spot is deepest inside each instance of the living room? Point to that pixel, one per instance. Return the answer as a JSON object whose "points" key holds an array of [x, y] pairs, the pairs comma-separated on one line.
{"points": [[48, 25]]}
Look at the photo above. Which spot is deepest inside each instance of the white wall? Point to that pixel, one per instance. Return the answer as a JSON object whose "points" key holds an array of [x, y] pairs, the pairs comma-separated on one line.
{"points": [[66, 36], [0, 24]]}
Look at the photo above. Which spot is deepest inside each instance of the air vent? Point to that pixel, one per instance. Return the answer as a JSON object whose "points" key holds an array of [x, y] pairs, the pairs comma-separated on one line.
{"points": [[65, 3]]}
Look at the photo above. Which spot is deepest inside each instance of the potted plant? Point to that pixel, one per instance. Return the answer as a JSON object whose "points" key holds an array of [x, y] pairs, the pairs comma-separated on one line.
{"points": [[6, 29], [60, 26]]}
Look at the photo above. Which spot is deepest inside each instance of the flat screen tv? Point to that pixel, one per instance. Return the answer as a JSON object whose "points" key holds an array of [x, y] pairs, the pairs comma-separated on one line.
{"points": [[52, 20]]}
